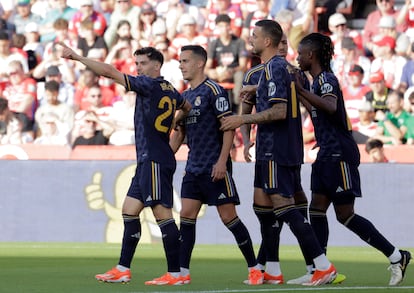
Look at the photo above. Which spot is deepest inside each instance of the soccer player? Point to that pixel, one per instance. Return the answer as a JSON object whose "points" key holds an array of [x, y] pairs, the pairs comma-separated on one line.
{"points": [[270, 226], [208, 178], [279, 144], [335, 177], [151, 186]]}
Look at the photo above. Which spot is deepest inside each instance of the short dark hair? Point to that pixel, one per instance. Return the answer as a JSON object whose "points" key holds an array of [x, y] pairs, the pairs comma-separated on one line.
{"points": [[223, 18], [152, 53], [373, 143], [271, 29], [4, 35], [52, 86], [196, 50]]}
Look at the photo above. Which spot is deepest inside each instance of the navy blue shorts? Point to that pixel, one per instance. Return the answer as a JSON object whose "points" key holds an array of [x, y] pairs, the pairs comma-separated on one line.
{"points": [[152, 184], [275, 179], [336, 180], [202, 188]]}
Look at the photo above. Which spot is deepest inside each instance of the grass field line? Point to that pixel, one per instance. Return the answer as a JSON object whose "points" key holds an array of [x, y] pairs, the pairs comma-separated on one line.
{"points": [[305, 289]]}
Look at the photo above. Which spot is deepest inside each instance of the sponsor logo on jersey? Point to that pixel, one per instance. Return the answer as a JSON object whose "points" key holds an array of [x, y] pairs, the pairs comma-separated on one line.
{"points": [[222, 104], [272, 89], [326, 88]]}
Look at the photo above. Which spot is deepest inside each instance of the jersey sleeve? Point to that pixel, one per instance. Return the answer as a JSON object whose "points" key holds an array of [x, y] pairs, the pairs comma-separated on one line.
{"points": [[276, 76]]}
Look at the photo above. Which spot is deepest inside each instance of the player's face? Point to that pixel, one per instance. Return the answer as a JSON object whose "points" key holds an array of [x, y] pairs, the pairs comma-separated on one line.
{"points": [[257, 40], [145, 66], [304, 57], [188, 65], [282, 48]]}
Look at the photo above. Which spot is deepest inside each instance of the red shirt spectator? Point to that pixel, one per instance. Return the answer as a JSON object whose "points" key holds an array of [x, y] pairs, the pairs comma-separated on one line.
{"points": [[21, 91], [86, 10], [224, 7]]}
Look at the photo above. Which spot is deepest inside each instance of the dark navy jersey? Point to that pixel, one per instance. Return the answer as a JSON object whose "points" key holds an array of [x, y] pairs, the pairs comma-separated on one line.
{"points": [[251, 77], [155, 107], [209, 103], [281, 140], [333, 132]]}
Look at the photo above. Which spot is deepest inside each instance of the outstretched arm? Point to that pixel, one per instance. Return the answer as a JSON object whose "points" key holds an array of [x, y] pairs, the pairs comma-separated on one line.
{"points": [[100, 68]]}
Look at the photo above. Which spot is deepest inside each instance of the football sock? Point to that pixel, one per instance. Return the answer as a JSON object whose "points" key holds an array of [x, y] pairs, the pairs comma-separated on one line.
{"points": [[302, 207], [301, 229], [367, 232], [171, 241], [270, 229], [273, 268], [132, 234], [242, 236], [395, 256], [320, 226], [188, 237], [121, 268]]}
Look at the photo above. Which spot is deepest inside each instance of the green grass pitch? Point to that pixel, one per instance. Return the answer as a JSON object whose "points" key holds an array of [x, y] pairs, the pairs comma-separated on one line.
{"points": [[70, 267]]}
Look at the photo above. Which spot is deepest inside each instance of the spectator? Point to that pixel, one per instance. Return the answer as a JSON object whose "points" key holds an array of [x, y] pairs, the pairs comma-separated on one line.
{"points": [[24, 16], [392, 126], [86, 131], [7, 55], [123, 11], [33, 47], [59, 9], [379, 93], [6, 9], [366, 127], [121, 56], [63, 112], [66, 90], [170, 69], [106, 7], [146, 23], [11, 126], [285, 19], [53, 59], [87, 11], [406, 16], [86, 80], [350, 55], [386, 61], [407, 76], [226, 7], [187, 35], [21, 92], [375, 150], [371, 27], [227, 57], [338, 27], [262, 12], [88, 40], [49, 131], [354, 93], [387, 27], [303, 12]]}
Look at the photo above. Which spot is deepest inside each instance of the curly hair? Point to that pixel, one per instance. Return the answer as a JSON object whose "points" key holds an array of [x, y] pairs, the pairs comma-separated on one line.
{"points": [[322, 46]]}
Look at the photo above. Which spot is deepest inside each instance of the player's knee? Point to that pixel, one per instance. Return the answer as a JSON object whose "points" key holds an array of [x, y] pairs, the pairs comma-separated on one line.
{"points": [[344, 219]]}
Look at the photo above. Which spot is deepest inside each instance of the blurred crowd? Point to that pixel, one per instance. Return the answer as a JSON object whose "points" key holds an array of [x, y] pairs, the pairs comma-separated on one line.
{"points": [[45, 99]]}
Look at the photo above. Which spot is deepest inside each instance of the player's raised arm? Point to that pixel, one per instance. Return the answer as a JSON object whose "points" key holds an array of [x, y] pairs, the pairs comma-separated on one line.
{"points": [[100, 68]]}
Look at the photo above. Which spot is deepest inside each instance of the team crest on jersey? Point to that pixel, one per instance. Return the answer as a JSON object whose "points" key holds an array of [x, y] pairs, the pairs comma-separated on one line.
{"points": [[272, 89], [222, 104], [326, 88], [197, 101]]}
